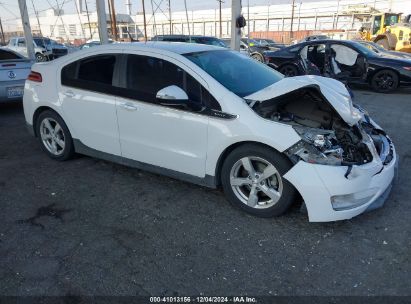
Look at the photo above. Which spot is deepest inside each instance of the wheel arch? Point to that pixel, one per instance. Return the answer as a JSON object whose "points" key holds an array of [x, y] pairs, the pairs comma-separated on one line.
{"points": [[371, 75], [37, 113], [228, 150], [290, 63]]}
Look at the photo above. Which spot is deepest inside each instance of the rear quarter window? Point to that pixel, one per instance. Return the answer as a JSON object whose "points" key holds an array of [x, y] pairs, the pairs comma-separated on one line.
{"points": [[94, 73], [6, 55]]}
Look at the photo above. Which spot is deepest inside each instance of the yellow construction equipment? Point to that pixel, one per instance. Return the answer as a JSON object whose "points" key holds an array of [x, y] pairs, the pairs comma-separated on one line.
{"points": [[389, 31]]}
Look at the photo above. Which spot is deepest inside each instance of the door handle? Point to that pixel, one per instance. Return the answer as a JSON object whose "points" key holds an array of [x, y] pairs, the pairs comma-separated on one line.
{"points": [[128, 106], [69, 93]]}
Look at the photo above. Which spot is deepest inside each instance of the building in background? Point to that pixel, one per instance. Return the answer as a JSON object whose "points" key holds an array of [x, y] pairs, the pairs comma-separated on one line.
{"points": [[337, 18]]}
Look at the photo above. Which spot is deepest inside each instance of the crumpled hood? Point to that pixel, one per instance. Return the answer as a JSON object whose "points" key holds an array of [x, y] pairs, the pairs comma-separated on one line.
{"points": [[334, 92]]}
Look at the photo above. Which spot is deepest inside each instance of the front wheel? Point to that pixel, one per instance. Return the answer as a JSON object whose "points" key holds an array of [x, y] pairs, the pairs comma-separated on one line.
{"points": [[289, 70], [252, 179], [384, 81], [54, 136], [40, 57], [257, 57]]}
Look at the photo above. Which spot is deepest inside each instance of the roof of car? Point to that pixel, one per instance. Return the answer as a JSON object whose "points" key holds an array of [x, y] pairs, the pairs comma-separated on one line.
{"points": [[174, 47]]}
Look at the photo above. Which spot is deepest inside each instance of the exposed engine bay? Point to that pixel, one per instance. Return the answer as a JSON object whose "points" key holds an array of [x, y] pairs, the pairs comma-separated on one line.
{"points": [[326, 137]]}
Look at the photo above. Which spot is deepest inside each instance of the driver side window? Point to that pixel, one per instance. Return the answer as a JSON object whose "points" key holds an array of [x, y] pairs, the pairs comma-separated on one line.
{"points": [[145, 76]]}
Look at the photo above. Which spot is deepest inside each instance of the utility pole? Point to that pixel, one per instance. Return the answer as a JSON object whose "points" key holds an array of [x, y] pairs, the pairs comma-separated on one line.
{"points": [[169, 15], [113, 19], [235, 32], [268, 17], [3, 41], [145, 23], [248, 18], [102, 21], [88, 19], [27, 29], [292, 21], [221, 26]]}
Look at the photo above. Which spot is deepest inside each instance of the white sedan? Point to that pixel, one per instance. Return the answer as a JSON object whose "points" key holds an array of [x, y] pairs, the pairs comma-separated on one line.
{"points": [[214, 117]]}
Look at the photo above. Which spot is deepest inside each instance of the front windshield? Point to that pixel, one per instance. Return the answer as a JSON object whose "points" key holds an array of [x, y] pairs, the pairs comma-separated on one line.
{"points": [[238, 73], [363, 49], [390, 19]]}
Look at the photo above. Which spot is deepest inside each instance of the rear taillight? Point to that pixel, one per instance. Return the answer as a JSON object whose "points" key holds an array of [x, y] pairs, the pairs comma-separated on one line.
{"points": [[34, 76]]}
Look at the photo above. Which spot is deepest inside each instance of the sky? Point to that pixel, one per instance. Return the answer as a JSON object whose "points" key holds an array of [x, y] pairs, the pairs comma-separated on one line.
{"points": [[9, 9]]}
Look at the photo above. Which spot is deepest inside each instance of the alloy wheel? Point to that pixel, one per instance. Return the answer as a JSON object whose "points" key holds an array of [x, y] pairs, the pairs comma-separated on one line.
{"points": [[289, 71], [256, 182], [52, 136], [384, 81]]}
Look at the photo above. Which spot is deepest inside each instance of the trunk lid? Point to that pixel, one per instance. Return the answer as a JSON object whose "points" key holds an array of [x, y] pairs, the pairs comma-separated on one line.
{"points": [[16, 69]]}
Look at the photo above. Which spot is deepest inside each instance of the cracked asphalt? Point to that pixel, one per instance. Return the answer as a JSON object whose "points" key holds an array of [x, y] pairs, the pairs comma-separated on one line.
{"points": [[90, 227]]}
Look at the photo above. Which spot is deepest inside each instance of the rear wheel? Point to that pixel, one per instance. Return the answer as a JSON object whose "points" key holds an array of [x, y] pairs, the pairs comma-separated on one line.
{"points": [[289, 70], [257, 57], [54, 136], [252, 179], [384, 81]]}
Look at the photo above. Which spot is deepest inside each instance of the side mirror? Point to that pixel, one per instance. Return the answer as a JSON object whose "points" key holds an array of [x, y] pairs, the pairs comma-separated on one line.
{"points": [[172, 96]]}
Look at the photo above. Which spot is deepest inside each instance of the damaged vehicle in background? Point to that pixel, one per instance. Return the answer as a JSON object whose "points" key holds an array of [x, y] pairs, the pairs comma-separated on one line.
{"points": [[44, 48], [217, 118], [348, 61]]}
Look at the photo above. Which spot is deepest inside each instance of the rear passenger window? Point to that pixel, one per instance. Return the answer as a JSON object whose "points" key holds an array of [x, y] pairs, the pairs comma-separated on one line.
{"points": [[93, 73], [98, 69]]}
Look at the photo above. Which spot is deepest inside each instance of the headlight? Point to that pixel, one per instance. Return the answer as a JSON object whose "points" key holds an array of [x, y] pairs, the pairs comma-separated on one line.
{"points": [[317, 146]]}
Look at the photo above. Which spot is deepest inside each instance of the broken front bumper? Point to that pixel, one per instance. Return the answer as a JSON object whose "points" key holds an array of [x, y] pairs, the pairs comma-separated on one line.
{"points": [[331, 195]]}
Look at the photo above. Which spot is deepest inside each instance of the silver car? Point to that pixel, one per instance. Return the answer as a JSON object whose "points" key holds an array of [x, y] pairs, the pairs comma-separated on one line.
{"points": [[14, 69]]}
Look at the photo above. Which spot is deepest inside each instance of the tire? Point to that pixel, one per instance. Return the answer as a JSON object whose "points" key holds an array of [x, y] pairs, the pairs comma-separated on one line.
{"points": [[384, 43], [54, 136], [289, 70], [257, 57], [384, 81], [40, 57], [238, 183]]}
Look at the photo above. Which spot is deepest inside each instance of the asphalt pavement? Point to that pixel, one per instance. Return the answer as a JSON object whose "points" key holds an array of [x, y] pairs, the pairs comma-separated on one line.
{"points": [[91, 227]]}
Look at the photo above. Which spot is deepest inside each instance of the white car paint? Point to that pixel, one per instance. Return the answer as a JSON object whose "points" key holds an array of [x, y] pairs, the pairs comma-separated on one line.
{"points": [[194, 144], [333, 90]]}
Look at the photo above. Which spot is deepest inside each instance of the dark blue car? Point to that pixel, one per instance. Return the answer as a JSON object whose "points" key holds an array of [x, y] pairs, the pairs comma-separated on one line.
{"points": [[347, 61]]}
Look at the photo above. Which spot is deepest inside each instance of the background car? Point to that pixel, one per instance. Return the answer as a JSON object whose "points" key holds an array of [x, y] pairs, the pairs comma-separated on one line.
{"points": [[92, 43], [209, 40], [14, 69], [255, 50], [347, 61], [270, 43], [314, 37], [44, 48]]}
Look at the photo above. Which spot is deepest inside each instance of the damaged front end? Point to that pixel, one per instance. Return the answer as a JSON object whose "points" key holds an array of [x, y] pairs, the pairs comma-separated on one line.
{"points": [[344, 163], [326, 138]]}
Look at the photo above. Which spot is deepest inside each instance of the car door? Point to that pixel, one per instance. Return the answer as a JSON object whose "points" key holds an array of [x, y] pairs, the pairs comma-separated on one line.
{"points": [[352, 61], [88, 101], [169, 137]]}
